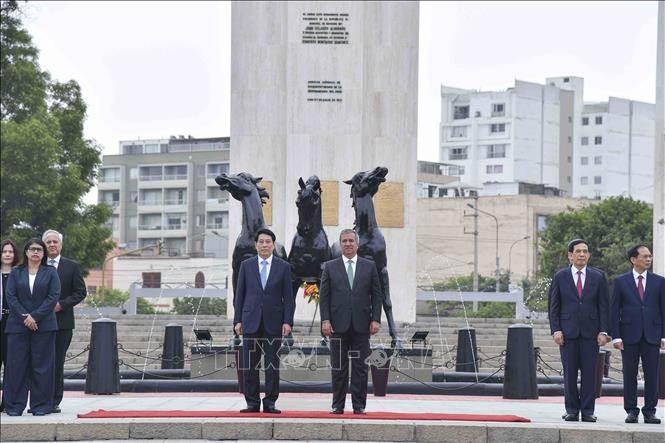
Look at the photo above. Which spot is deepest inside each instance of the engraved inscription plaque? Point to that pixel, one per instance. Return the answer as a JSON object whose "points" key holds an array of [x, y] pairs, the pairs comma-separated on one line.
{"points": [[330, 202], [389, 205]]}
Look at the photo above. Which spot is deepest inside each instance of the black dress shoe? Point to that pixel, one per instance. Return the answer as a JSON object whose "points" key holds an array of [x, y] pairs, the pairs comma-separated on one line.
{"points": [[360, 411], [271, 410], [589, 418], [571, 417], [13, 414], [651, 419], [631, 418], [337, 411], [249, 410], [56, 410]]}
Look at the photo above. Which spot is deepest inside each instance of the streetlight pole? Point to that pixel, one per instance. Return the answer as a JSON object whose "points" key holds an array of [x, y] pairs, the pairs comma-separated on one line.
{"points": [[496, 220], [510, 257]]}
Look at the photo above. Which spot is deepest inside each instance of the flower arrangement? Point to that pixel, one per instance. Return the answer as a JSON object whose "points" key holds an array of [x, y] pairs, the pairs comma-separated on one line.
{"points": [[311, 292]]}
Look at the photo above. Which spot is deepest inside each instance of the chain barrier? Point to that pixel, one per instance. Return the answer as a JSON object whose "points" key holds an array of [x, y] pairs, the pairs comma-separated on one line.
{"points": [[72, 357]]}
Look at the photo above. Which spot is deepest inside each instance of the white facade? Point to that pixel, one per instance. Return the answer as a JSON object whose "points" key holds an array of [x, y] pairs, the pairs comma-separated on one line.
{"points": [[615, 155], [502, 138], [547, 135]]}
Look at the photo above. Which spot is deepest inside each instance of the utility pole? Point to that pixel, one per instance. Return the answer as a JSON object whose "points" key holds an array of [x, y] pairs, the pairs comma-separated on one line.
{"points": [[475, 244]]}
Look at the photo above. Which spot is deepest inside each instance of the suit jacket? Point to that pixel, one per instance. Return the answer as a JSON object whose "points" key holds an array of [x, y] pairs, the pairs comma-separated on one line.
{"points": [[344, 306], [274, 305], [72, 291], [39, 303], [576, 317], [631, 317]]}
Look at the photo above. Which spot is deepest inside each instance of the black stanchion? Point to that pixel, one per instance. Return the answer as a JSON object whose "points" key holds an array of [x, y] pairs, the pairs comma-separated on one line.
{"points": [[467, 352], [661, 375], [520, 374], [103, 373], [600, 368], [173, 353], [380, 368]]}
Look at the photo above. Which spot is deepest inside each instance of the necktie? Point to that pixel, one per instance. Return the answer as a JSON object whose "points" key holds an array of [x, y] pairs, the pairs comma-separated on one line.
{"points": [[349, 272], [264, 273], [640, 287], [51, 262], [579, 284]]}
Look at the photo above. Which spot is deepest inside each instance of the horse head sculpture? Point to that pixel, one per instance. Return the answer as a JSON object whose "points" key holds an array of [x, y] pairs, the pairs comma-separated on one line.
{"points": [[244, 188], [309, 249]]}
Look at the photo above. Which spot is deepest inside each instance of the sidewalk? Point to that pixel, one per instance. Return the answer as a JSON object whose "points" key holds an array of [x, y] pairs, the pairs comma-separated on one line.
{"points": [[544, 413]]}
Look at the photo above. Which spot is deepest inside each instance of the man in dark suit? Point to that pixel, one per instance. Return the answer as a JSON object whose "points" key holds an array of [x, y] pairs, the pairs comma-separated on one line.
{"points": [[350, 302], [579, 319], [72, 292], [264, 306], [638, 329]]}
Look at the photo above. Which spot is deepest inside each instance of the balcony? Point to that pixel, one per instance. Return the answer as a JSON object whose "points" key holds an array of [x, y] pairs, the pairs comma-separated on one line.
{"points": [[175, 204], [149, 206], [216, 204]]}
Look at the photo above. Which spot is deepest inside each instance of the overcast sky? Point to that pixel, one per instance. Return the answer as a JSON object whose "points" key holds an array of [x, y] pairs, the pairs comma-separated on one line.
{"points": [[155, 69]]}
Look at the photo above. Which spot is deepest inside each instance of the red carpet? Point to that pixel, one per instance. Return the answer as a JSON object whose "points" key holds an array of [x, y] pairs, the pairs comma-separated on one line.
{"points": [[102, 413]]}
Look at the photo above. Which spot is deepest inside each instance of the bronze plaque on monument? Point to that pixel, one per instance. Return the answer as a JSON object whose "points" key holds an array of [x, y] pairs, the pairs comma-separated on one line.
{"points": [[267, 208], [389, 205], [330, 202]]}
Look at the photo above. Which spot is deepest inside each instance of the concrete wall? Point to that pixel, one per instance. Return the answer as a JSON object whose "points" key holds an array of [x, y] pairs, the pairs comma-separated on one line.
{"points": [[445, 240], [281, 130]]}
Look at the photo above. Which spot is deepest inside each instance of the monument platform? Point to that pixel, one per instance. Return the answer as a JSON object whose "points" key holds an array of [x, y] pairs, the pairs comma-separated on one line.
{"points": [[545, 414]]}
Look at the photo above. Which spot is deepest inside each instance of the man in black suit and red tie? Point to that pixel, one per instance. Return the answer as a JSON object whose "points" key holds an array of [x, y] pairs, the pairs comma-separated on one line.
{"points": [[579, 321], [638, 329], [72, 292], [350, 302], [264, 307]]}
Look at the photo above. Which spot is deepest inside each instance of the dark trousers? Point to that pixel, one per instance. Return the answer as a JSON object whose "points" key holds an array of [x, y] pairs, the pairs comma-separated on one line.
{"points": [[344, 347], [579, 355], [630, 357], [3, 355], [30, 366], [253, 347], [63, 339]]}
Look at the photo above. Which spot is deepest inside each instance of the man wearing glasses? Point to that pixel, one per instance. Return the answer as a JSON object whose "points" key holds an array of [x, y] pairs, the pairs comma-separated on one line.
{"points": [[72, 292]]}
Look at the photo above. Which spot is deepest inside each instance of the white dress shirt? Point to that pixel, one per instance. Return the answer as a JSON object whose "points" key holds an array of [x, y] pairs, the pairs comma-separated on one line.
{"points": [[269, 262]]}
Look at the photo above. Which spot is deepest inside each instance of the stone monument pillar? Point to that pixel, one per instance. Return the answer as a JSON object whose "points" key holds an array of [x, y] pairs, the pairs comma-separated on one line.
{"points": [[329, 88]]}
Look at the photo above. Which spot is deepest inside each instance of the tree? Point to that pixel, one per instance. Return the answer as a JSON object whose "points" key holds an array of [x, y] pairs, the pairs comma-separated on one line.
{"points": [[47, 166], [199, 306], [465, 284], [107, 297], [610, 226]]}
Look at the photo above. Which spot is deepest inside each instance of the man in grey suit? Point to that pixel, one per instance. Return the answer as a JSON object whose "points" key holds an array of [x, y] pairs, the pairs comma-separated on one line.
{"points": [[350, 302]]}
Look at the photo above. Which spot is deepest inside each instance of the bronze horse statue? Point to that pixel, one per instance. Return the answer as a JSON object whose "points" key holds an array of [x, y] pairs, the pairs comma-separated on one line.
{"points": [[372, 245], [309, 248], [244, 188]]}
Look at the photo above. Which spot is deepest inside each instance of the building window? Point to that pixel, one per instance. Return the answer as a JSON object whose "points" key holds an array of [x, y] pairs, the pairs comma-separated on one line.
{"points": [[175, 172], [584, 180], [498, 109], [151, 279], [147, 173], [110, 175], [585, 141], [216, 195], [133, 173], [151, 197], [458, 131], [496, 151], [111, 198], [599, 120], [494, 169], [598, 140], [151, 148], [215, 169], [585, 121], [584, 160], [497, 128], [460, 112], [598, 160], [455, 171], [597, 180], [458, 154], [218, 220], [175, 196]]}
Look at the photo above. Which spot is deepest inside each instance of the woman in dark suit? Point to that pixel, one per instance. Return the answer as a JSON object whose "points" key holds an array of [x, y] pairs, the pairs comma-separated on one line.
{"points": [[8, 259], [33, 289]]}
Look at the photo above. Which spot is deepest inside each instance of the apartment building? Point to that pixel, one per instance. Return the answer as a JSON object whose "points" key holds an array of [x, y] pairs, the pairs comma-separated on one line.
{"points": [[506, 142], [164, 196]]}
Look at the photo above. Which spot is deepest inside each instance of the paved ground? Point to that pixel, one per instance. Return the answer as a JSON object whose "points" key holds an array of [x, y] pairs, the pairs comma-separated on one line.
{"points": [[545, 413]]}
